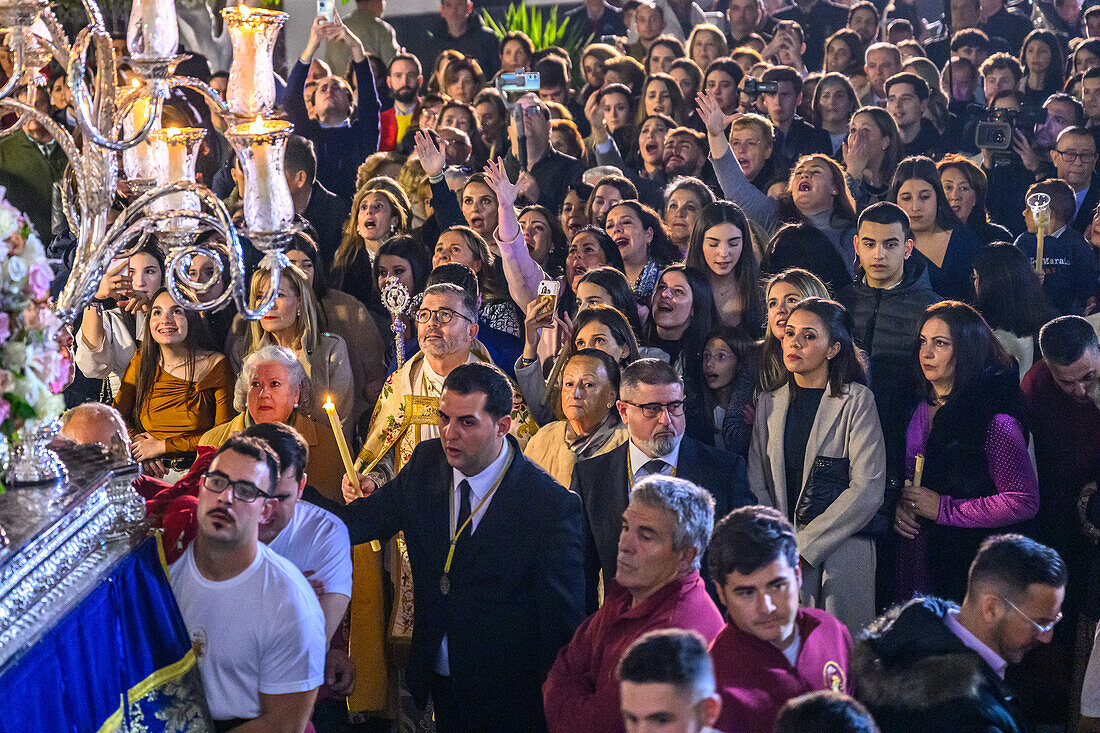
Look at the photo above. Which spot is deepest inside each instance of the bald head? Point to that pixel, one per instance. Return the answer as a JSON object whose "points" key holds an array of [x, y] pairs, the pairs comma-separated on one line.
{"points": [[94, 422]]}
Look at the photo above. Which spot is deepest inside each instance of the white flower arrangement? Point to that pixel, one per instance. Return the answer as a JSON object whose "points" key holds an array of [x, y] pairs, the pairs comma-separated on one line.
{"points": [[33, 370]]}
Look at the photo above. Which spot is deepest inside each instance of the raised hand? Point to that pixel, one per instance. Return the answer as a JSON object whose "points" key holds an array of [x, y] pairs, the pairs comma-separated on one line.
{"points": [[506, 191], [712, 115], [431, 156]]}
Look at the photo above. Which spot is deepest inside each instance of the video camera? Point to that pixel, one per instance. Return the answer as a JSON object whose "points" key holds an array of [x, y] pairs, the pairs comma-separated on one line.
{"points": [[995, 132], [519, 83], [754, 87]]}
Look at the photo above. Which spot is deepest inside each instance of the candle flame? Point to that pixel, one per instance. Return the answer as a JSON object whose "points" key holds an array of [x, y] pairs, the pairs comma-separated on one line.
{"points": [[135, 82], [245, 11], [328, 403], [172, 132], [257, 126]]}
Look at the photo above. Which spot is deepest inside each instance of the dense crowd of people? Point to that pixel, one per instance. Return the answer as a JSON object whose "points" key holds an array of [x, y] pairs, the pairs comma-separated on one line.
{"points": [[734, 388]]}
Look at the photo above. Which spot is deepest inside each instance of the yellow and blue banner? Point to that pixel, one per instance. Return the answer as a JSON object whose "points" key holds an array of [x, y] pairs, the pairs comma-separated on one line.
{"points": [[119, 661]]}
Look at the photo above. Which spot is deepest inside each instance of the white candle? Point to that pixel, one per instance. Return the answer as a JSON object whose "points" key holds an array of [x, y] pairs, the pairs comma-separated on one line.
{"points": [[152, 31], [260, 145], [144, 160], [181, 147], [252, 31]]}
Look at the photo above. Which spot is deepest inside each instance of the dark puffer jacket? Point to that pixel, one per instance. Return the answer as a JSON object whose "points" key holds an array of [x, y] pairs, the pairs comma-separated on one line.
{"points": [[886, 328], [916, 676]]}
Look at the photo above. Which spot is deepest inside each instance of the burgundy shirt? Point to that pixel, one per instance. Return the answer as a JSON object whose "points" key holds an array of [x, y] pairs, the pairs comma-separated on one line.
{"points": [[1066, 448], [581, 693], [755, 679]]}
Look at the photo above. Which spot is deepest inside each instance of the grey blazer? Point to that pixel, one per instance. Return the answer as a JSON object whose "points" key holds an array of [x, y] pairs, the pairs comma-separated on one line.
{"points": [[845, 427]]}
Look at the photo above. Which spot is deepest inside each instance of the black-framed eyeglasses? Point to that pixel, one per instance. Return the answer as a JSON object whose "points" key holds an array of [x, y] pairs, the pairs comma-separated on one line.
{"points": [[442, 315], [244, 491], [651, 410], [1071, 156], [1041, 628]]}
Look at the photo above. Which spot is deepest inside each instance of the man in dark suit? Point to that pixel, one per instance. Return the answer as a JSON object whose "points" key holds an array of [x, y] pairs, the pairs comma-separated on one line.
{"points": [[494, 605], [30, 162], [652, 408]]}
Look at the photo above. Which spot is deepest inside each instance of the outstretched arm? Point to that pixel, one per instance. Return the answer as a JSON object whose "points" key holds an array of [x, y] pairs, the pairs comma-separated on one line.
{"points": [[520, 269]]}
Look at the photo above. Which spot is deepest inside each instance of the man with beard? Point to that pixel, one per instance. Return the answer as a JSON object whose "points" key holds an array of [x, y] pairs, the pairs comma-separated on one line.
{"points": [[262, 667], [404, 79], [1013, 602], [652, 408], [686, 155]]}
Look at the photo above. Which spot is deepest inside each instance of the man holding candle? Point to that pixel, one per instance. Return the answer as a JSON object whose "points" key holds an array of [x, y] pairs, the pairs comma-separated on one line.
{"points": [[499, 586], [341, 143]]}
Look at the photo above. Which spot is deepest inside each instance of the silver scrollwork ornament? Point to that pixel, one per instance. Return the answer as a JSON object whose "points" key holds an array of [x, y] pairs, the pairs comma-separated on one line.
{"points": [[395, 296]]}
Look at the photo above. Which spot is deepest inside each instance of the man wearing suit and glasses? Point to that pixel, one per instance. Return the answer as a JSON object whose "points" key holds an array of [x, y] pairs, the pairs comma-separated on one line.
{"points": [[652, 407]]}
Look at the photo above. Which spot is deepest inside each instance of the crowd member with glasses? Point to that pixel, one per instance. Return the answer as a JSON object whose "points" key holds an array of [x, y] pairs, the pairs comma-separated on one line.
{"points": [[1074, 157], [446, 327], [263, 666], [1013, 601], [818, 456], [651, 405]]}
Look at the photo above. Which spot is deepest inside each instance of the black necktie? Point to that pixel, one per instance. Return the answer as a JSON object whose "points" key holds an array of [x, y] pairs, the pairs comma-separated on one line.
{"points": [[654, 466], [463, 506]]}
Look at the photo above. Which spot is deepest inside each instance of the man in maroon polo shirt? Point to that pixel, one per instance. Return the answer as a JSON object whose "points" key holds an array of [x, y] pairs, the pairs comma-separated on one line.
{"points": [[657, 585], [771, 650]]}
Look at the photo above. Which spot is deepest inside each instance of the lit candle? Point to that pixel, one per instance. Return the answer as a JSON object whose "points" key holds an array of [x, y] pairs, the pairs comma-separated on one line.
{"points": [[345, 454], [918, 470], [252, 31], [181, 151], [341, 443], [144, 160], [260, 146], [152, 32]]}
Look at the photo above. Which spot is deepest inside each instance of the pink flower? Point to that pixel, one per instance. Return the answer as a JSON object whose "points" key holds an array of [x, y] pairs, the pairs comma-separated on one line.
{"points": [[39, 278], [63, 375], [5, 409], [5, 327]]}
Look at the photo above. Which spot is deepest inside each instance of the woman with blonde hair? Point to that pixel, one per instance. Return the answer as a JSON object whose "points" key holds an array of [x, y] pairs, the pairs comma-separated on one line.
{"points": [[377, 215], [705, 44], [293, 322]]}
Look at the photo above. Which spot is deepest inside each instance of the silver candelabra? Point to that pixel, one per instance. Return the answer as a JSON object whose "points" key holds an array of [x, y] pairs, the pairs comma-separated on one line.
{"points": [[116, 115]]}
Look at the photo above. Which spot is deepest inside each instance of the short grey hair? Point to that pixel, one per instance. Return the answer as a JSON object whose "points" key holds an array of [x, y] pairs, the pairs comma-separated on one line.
{"points": [[692, 505], [278, 355]]}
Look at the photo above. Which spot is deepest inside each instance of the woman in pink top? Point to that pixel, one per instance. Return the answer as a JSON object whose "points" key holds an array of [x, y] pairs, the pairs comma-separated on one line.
{"points": [[977, 474]]}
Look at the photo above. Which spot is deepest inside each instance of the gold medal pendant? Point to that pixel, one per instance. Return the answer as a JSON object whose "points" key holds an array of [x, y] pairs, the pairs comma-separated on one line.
{"points": [[444, 584]]}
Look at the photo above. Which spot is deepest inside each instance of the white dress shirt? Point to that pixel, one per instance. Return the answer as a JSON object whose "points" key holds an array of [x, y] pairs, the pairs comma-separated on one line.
{"points": [[638, 459]]}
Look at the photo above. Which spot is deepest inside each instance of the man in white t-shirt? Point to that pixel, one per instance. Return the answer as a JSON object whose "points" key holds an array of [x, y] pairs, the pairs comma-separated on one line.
{"points": [[312, 538], [255, 623]]}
